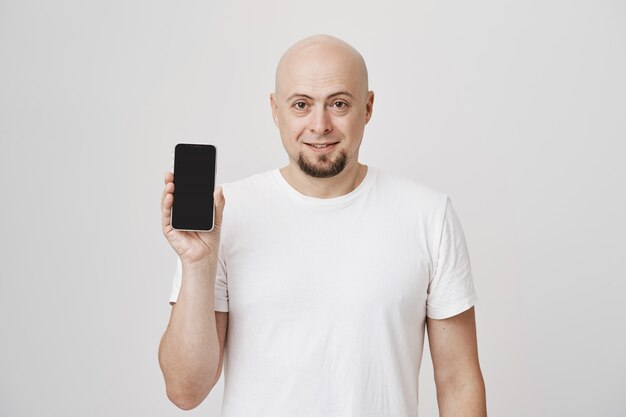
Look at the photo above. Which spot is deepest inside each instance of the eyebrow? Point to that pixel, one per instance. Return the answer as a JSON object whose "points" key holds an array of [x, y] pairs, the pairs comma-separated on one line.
{"points": [[339, 93]]}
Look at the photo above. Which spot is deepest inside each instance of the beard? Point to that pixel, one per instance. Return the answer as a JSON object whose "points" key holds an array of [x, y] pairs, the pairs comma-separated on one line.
{"points": [[322, 169]]}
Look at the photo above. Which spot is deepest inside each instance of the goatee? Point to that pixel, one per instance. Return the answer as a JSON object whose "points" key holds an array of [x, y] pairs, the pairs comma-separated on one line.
{"points": [[322, 170]]}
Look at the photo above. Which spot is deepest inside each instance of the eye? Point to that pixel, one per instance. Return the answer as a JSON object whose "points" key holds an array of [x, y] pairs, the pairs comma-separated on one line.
{"points": [[340, 105], [299, 105]]}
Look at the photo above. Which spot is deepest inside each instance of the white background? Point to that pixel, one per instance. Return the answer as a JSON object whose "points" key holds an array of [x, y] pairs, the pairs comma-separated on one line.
{"points": [[516, 109]]}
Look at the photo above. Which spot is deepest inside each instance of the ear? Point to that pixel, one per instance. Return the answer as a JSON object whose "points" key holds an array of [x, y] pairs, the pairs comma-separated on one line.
{"points": [[369, 106], [274, 106]]}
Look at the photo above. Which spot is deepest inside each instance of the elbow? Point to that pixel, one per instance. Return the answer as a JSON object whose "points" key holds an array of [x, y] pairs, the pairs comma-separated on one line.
{"points": [[187, 399], [186, 388]]}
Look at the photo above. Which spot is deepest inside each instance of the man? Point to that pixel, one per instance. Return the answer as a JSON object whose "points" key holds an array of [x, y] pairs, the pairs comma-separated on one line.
{"points": [[324, 273]]}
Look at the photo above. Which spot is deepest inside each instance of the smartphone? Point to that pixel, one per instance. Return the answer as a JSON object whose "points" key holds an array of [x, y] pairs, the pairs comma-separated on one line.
{"points": [[194, 182]]}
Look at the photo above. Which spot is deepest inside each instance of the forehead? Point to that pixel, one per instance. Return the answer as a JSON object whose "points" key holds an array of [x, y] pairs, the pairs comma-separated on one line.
{"points": [[320, 72]]}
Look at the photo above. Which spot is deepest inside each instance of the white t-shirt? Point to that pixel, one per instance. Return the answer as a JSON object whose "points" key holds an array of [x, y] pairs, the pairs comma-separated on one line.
{"points": [[327, 298]]}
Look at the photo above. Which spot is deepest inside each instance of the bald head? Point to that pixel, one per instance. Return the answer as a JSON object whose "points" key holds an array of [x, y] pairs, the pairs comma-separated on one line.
{"points": [[321, 105], [320, 56]]}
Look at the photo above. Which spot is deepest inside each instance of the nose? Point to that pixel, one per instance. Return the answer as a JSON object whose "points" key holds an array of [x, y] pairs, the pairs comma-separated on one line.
{"points": [[320, 123]]}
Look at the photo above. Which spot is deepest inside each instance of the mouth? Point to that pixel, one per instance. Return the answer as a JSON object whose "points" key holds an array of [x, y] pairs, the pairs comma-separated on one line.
{"points": [[321, 147]]}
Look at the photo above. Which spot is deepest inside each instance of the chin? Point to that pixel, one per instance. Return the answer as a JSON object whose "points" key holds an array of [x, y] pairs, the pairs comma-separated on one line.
{"points": [[323, 166]]}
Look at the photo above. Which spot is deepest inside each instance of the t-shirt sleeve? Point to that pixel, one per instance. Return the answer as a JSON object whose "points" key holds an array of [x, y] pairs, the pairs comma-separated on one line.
{"points": [[221, 285], [451, 288]]}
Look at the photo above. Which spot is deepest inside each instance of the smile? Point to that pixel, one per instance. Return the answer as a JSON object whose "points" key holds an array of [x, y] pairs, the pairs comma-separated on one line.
{"points": [[321, 147]]}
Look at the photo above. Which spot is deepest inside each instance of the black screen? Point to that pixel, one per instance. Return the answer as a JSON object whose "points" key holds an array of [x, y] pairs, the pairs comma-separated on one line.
{"points": [[194, 182]]}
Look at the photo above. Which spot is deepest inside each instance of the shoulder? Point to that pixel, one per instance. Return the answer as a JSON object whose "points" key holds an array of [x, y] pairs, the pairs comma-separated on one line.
{"points": [[404, 190], [249, 186], [249, 198]]}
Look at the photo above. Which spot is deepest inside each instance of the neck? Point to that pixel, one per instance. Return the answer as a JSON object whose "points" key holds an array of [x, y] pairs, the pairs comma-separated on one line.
{"points": [[343, 183]]}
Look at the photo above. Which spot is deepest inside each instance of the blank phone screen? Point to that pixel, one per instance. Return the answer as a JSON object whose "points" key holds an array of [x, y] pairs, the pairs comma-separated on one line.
{"points": [[194, 182]]}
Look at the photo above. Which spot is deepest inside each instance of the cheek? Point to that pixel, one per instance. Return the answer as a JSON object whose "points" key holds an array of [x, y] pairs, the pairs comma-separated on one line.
{"points": [[350, 127], [289, 136], [293, 127]]}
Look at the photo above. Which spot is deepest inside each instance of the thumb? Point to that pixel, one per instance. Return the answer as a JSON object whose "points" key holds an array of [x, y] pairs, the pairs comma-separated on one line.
{"points": [[220, 201]]}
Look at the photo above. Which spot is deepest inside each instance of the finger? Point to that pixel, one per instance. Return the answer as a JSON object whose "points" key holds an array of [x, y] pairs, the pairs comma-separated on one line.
{"points": [[169, 188], [168, 177], [166, 212], [220, 202], [166, 205]]}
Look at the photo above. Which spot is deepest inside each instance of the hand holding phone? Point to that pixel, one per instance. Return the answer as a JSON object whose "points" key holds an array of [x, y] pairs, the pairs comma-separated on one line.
{"points": [[193, 204]]}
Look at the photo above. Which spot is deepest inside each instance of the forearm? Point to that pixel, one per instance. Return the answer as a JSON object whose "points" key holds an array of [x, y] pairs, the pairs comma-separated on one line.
{"points": [[189, 350], [462, 398]]}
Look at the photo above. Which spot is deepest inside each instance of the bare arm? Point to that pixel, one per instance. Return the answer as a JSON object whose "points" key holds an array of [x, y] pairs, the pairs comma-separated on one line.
{"points": [[459, 381], [192, 347]]}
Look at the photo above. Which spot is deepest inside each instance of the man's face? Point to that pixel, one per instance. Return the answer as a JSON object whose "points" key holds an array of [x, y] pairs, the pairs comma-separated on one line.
{"points": [[321, 107]]}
